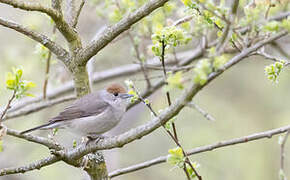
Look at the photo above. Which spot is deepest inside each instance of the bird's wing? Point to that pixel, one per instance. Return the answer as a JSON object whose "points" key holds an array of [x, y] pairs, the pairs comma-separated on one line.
{"points": [[86, 106]]}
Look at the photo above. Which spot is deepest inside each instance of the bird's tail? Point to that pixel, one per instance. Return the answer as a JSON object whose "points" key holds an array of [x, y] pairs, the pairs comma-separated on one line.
{"points": [[44, 126]]}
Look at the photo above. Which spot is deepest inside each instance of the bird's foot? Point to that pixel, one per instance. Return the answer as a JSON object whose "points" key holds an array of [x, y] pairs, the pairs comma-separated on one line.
{"points": [[94, 138], [55, 152]]}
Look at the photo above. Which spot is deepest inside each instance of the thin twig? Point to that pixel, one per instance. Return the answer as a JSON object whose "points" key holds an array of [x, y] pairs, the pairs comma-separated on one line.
{"points": [[269, 57], [46, 74], [175, 138], [282, 154], [183, 20], [279, 48], [228, 29], [214, 13], [201, 111], [76, 19], [38, 106], [268, 10], [202, 149], [7, 106], [50, 144], [47, 68], [179, 68], [138, 56]]}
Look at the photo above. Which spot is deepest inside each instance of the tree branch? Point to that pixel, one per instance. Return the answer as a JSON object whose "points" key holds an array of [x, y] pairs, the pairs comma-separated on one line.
{"points": [[66, 30], [56, 4], [30, 105], [36, 165], [61, 53], [39, 106], [282, 156], [8, 106], [112, 32], [201, 111], [76, 18], [170, 112], [36, 139], [280, 17], [118, 141], [231, 142], [32, 7]]}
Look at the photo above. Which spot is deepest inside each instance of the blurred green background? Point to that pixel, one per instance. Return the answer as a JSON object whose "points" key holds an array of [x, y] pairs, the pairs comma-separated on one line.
{"points": [[242, 101]]}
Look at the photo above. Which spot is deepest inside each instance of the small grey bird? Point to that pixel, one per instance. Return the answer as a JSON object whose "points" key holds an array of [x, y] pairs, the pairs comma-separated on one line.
{"points": [[92, 114]]}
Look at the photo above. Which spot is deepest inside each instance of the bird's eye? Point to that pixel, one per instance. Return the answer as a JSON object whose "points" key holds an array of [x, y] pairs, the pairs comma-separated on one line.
{"points": [[116, 94]]}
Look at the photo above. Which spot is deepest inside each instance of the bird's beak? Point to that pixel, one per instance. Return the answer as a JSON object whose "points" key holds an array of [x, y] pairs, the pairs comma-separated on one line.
{"points": [[125, 95]]}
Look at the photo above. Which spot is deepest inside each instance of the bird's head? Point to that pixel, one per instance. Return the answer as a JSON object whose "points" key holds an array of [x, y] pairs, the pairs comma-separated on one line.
{"points": [[116, 94]]}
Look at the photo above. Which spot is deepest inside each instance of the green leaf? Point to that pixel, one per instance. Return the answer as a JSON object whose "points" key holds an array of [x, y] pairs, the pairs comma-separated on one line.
{"points": [[202, 70], [175, 80], [186, 2], [29, 94], [220, 61], [171, 36], [146, 101], [135, 96], [175, 157], [286, 24], [14, 82], [273, 71], [282, 175], [29, 84], [41, 51], [168, 124], [54, 131], [116, 15], [272, 26], [190, 170]]}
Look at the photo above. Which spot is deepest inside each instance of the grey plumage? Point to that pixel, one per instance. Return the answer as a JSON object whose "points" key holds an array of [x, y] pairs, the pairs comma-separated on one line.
{"points": [[82, 108], [94, 113]]}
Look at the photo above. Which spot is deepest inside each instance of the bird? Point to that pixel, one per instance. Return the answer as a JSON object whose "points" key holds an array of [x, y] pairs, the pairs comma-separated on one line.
{"points": [[92, 114]]}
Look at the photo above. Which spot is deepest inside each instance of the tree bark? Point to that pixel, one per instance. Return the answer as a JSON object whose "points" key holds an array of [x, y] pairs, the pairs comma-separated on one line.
{"points": [[94, 163], [96, 166], [81, 80]]}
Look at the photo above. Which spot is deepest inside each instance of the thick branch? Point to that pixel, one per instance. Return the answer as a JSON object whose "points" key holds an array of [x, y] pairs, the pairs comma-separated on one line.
{"points": [[61, 53], [31, 7], [112, 32], [162, 159], [280, 17], [66, 30]]}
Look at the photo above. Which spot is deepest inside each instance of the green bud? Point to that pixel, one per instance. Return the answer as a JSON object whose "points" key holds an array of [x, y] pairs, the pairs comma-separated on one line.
{"points": [[147, 102], [74, 143]]}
